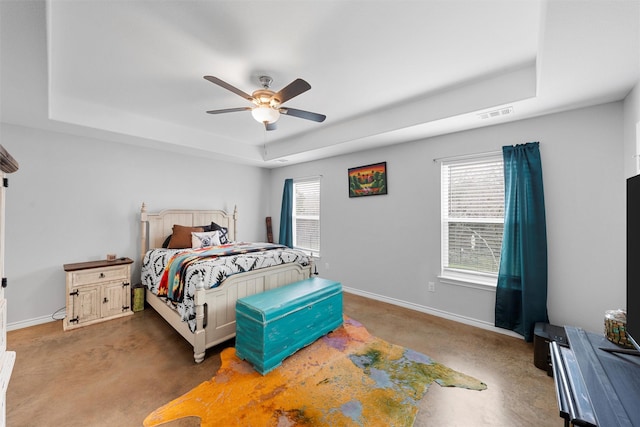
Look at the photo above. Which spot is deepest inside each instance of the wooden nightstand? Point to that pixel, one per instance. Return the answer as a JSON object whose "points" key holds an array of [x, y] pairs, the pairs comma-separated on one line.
{"points": [[97, 291]]}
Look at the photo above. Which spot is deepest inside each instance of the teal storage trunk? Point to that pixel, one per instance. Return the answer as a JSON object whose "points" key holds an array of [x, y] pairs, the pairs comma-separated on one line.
{"points": [[273, 325]]}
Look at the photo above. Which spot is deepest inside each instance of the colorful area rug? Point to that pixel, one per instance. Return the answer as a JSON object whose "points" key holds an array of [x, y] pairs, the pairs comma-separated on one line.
{"points": [[346, 378]]}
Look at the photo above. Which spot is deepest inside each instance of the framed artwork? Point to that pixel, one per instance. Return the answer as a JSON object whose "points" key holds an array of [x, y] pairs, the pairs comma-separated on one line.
{"points": [[369, 180]]}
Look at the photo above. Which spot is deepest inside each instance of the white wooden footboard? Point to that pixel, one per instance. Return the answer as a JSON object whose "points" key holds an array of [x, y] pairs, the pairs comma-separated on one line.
{"points": [[216, 308]]}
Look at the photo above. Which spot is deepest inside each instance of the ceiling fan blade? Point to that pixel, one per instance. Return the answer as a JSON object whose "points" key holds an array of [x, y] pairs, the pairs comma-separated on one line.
{"points": [[303, 114], [229, 110], [227, 86], [293, 89], [270, 126]]}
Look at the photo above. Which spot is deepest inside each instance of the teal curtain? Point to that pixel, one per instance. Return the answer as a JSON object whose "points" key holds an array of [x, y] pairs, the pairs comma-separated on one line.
{"points": [[521, 294], [286, 214]]}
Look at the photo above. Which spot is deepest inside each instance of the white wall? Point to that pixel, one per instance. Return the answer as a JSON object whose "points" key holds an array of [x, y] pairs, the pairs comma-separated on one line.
{"points": [[583, 172], [76, 199], [632, 132]]}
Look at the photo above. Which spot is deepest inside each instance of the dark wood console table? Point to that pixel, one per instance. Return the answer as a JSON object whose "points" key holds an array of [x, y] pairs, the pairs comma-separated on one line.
{"points": [[595, 387]]}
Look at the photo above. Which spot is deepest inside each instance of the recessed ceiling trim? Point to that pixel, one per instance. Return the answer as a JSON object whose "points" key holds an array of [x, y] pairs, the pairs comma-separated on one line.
{"points": [[508, 87], [100, 117]]}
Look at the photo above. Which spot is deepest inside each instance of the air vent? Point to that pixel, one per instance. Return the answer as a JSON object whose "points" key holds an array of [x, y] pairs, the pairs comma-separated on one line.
{"points": [[496, 113]]}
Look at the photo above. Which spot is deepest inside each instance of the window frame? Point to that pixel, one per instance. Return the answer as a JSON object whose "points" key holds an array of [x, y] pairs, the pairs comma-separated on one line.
{"points": [[457, 275], [294, 217]]}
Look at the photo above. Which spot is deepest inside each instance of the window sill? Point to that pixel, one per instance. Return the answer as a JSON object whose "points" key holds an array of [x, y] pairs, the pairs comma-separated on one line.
{"points": [[488, 284], [312, 254], [314, 259]]}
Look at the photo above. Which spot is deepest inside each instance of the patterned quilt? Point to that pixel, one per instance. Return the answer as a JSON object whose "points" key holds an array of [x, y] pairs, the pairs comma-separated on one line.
{"points": [[175, 273]]}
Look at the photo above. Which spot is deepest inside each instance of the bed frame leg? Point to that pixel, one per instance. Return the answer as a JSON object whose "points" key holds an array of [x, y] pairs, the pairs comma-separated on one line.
{"points": [[200, 338], [199, 345], [198, 357]]}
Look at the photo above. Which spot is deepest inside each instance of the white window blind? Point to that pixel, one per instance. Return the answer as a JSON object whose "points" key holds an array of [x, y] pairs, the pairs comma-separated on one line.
{"points": [[306, 215], [472, 217]]}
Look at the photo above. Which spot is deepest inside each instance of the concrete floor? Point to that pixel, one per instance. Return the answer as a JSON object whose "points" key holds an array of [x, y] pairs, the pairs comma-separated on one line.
{"points": [[117, 372]]}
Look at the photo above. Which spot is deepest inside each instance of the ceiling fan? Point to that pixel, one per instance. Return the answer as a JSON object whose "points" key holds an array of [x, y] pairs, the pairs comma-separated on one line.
{"points": [[268, 104]]}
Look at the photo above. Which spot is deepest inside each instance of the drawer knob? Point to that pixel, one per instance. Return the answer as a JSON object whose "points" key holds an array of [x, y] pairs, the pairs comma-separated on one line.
{"points": [[102, 275], [106, 300]]}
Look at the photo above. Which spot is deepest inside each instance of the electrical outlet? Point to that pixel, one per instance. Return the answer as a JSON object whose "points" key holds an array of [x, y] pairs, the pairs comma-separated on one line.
{"points": [[431, 286], [326, 265]]}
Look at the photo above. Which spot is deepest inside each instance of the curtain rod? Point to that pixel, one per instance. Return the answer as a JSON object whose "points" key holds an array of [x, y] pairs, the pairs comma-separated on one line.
{"points": [[468, 156]]}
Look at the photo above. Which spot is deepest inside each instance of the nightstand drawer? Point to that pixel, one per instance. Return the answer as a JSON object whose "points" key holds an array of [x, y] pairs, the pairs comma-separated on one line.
{"points": [[99, 275]]}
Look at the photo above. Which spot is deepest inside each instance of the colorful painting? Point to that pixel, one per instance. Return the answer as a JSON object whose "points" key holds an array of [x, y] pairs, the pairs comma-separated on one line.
{"points": [[369, 180]]}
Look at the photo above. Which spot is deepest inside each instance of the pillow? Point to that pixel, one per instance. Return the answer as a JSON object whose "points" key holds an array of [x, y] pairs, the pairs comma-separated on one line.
{"points": [[224, 231], [181, 237], [204, 239], [165, 244]]}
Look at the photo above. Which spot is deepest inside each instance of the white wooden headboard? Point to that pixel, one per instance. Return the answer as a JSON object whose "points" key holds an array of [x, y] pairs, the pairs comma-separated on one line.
{"points": [[155, 227]]}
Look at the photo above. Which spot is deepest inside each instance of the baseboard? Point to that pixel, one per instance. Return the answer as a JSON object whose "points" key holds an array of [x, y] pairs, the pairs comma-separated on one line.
{"points": [[439, 313], [32, 322], [411, 306]]}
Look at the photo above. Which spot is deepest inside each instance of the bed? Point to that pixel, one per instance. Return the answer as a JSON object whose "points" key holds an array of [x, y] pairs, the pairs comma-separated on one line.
{"points": [[210, 310]]}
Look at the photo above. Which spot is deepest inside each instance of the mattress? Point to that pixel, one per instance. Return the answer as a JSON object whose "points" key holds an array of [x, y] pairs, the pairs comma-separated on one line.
{"points": [[211, 269]]}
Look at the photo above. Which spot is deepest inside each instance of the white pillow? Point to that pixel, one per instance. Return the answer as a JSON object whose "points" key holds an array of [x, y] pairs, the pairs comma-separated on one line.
{"points": [[205, 239]]}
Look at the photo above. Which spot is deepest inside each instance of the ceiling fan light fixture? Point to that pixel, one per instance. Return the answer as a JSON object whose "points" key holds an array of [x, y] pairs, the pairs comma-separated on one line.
{"points": [[267, 103], [265, 114]]}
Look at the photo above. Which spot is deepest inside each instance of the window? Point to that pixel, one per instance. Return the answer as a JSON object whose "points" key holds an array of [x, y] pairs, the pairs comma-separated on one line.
{"points": [[472, 218], [306, 215]]}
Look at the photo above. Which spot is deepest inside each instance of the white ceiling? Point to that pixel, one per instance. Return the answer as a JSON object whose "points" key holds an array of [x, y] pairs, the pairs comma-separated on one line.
{"points": [[383, 72]]}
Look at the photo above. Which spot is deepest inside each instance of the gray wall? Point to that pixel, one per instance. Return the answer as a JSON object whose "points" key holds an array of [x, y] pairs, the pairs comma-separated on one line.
{"points": [[76, 199], [632, 132], [388, 247]]}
